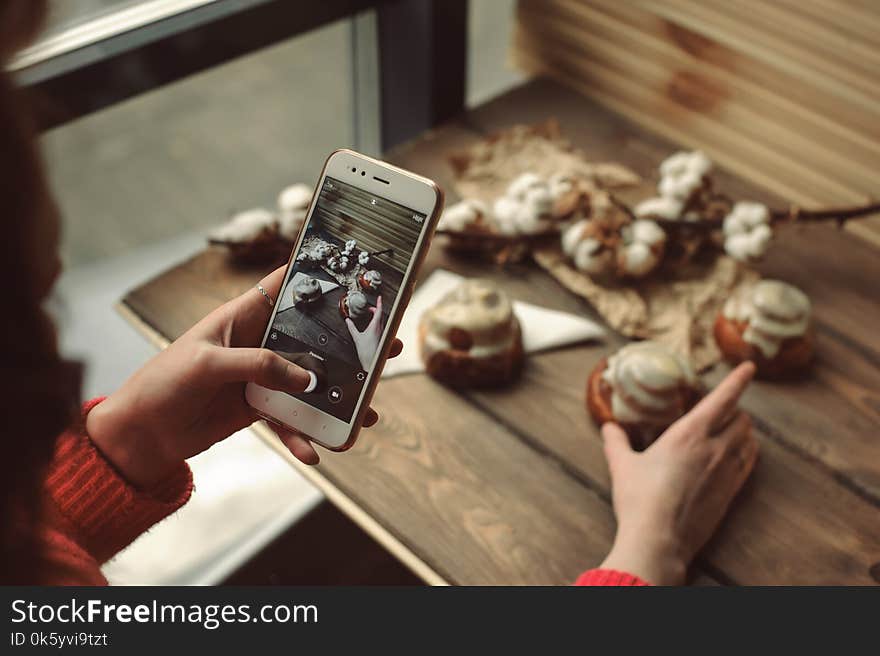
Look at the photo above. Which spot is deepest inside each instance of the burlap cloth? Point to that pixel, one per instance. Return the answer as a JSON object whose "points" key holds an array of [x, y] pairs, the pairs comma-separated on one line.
{"points": [[676, 308]]}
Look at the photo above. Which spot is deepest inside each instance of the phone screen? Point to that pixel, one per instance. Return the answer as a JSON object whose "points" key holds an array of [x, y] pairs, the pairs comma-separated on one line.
{"points": [[333, 310]]}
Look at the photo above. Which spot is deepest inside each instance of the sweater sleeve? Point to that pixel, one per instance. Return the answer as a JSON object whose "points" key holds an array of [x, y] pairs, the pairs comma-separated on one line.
{"points": [[104, 511], [609, 577]]}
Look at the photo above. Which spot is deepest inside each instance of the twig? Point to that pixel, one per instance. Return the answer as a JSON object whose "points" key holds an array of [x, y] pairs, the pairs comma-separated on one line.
{"points": [[793, 214]]}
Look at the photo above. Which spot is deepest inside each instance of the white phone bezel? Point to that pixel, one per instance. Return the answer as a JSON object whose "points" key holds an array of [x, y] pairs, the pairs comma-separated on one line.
{"points": [[393, 184]]}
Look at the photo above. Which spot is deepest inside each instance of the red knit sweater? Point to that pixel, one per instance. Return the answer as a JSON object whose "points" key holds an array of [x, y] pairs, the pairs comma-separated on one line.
{"points": [[92, 512]]}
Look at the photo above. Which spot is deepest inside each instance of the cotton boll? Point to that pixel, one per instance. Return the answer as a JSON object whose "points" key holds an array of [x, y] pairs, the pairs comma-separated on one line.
{"points": [[747, 231], [524, 207], [662, 207], [560, 185], [683, 173], [522, 183], [642, 248], [364, 258], [457, 217], [506, 211], [586, 253], [538, 201]]}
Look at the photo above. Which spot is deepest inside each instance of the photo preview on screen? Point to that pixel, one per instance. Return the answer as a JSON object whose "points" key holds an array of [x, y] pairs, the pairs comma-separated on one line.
{"points": [[346, 277]]}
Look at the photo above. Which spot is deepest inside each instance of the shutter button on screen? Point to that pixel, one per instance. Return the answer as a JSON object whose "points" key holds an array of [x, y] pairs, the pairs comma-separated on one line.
{"points": [[334, 394]]}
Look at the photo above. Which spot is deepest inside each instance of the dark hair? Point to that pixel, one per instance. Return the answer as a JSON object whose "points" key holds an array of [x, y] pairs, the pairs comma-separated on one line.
{"points": [[38, 389]]}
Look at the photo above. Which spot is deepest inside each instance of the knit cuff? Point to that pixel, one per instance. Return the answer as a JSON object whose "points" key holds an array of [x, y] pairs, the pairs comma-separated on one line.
{"points": [[608, 577], [104, 509]]}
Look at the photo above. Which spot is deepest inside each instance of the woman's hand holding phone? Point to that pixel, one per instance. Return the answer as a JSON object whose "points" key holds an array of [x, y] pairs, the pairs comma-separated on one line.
{"points": [[191, 395]]}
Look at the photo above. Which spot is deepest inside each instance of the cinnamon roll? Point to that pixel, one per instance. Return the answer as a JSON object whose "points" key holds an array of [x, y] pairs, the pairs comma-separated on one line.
{"points": [[644, 387], [768, 323], [472, 337]]}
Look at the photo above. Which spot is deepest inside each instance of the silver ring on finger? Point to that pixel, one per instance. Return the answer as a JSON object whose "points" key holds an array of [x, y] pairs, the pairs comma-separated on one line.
{"points": [[266, 294]]}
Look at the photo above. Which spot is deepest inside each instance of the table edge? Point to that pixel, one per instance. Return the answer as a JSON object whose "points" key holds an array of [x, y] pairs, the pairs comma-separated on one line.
{"points": [[336, 496]]}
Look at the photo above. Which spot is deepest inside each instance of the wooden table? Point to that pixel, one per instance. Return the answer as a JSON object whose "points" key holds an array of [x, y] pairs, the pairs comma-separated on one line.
{"points": [[511, 486]]}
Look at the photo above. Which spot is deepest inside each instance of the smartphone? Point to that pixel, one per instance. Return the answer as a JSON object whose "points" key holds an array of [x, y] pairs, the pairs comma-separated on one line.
{"points": [[348, 281]]}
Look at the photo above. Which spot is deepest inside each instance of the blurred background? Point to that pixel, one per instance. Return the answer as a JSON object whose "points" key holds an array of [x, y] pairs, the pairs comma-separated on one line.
{"points": [[145, 155]]}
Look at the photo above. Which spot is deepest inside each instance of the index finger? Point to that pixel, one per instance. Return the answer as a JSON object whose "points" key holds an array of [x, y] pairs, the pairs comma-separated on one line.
{"points": [[721, 401]]}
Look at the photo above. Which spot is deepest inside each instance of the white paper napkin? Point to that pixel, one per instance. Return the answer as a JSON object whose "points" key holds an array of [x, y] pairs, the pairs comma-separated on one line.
{"points": [[542, 328], [286, 299]]}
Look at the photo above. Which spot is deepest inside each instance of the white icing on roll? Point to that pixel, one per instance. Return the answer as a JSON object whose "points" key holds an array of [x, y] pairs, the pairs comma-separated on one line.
{"points": [[246, 226], [774, 310], [306, 289], [357, 304], [747, 232], [373, 279], [480, 312], [650, 385], [683, 173]]}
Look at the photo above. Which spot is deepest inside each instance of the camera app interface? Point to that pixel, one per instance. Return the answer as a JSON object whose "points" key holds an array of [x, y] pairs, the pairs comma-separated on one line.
{"points": [[335, 303]]}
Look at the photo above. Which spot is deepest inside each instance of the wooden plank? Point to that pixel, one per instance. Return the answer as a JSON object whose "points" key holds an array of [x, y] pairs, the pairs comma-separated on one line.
{"points": [[820, 465], [700, 107], [784, 97], [670, 119], [745, 37], [743, 63], [834, 147]]}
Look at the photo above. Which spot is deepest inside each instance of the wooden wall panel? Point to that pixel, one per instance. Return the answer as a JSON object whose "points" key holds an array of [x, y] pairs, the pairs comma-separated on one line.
{"points": [[785, 94]]}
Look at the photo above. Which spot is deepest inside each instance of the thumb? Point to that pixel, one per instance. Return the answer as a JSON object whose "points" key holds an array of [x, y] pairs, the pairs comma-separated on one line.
{"points": [[352, 329], [260, 366], [617, 446]]}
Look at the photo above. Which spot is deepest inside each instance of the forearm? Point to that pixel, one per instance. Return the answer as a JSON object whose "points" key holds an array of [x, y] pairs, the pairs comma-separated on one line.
{"points": [[649, 554], [139, 457], [103, 510]]}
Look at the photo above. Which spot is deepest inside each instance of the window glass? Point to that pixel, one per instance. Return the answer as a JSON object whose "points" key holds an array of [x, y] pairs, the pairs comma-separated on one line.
{"points": [[186, 156]]}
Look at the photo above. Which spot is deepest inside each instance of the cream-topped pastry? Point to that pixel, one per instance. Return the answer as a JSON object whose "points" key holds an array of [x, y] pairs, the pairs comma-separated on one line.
{"points": [[472, 337], [774, 311], [650, 386], [476, 317], [293, 205], [354, 305], [247, 226], [306, 290], [370, 280]]}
